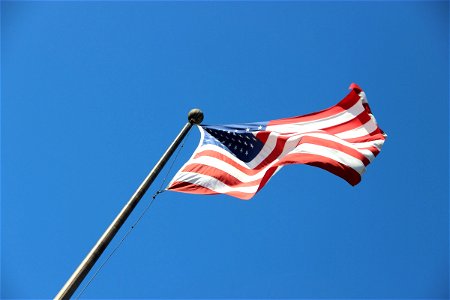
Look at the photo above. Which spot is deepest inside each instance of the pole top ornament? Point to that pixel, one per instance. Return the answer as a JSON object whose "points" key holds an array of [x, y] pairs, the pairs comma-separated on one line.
{"points": [[195, 116]]}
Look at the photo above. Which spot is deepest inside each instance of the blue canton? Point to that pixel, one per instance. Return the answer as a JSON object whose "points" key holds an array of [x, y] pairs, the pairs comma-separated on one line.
{"points": [[238, 139]]}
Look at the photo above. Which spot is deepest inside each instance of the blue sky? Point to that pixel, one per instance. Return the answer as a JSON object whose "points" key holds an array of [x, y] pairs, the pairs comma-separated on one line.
{"points": [[92, 93]]}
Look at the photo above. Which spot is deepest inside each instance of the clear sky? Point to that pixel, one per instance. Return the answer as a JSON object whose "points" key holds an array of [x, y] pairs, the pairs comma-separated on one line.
{"points": [[92, 93]]}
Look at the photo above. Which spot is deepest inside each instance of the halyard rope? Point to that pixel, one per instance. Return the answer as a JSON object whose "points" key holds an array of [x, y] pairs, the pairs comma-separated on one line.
{"points": [[159, 191]]}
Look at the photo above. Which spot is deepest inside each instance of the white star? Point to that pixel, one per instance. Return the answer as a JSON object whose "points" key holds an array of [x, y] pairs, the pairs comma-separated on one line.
{"points": [[240, 150], [248, 129], [251, 145], [246, 152], [259, 127], [235, 147]]}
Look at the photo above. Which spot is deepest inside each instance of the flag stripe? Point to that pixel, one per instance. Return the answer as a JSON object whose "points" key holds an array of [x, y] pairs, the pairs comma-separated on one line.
{"points": [[331, 153], [364, 148], [224, 166], [270, 146], [277, 150], [193, 188], [342, 106], [333, 166], [214, 184], [304, 126], [349, 125], [337, 146]]}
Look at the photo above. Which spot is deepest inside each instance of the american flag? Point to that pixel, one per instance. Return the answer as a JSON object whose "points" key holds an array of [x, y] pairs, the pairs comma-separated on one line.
{"points": [[239, 159]]}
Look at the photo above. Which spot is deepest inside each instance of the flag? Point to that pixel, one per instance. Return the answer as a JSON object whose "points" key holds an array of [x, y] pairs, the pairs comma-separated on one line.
{"points": [[239, 159]]}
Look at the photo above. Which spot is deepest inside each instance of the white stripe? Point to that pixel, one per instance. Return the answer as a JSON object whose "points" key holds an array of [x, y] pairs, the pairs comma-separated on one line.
{"points": [[330, 137], [214, 184], [295, 138], [265, 151], [307, 126], [360, 131], [227, 168], [334, 154], [363, 97], [222, 152], [375, 143], [290, 145], [367, 153], [323, 134]]}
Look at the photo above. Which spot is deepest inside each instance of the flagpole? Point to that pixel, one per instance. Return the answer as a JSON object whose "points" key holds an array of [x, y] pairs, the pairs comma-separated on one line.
{"points": [[195, 116]]}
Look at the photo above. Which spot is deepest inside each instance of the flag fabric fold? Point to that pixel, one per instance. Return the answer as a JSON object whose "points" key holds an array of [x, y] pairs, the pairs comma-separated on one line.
{"points": [[239, 159]]}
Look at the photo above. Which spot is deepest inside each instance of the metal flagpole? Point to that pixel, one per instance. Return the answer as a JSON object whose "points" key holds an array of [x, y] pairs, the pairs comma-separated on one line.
{"points": [[195, 116]]}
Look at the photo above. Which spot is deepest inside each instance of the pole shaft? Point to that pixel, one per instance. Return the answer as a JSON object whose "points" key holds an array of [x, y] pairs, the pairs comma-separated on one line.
{"points": [[86, 265]]}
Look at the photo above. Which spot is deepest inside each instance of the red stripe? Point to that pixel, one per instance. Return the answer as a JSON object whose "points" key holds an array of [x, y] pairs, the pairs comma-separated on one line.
{"points": [[335, 167], [269, 173], [278, 149], [355, 87], [351, 99], [372, 149], [190, 188], [219, 174], [226, 159], [367, 107], [352, 124], [377, 134], [187, 187], [365, 138], [263, 136], [334, 145]]}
